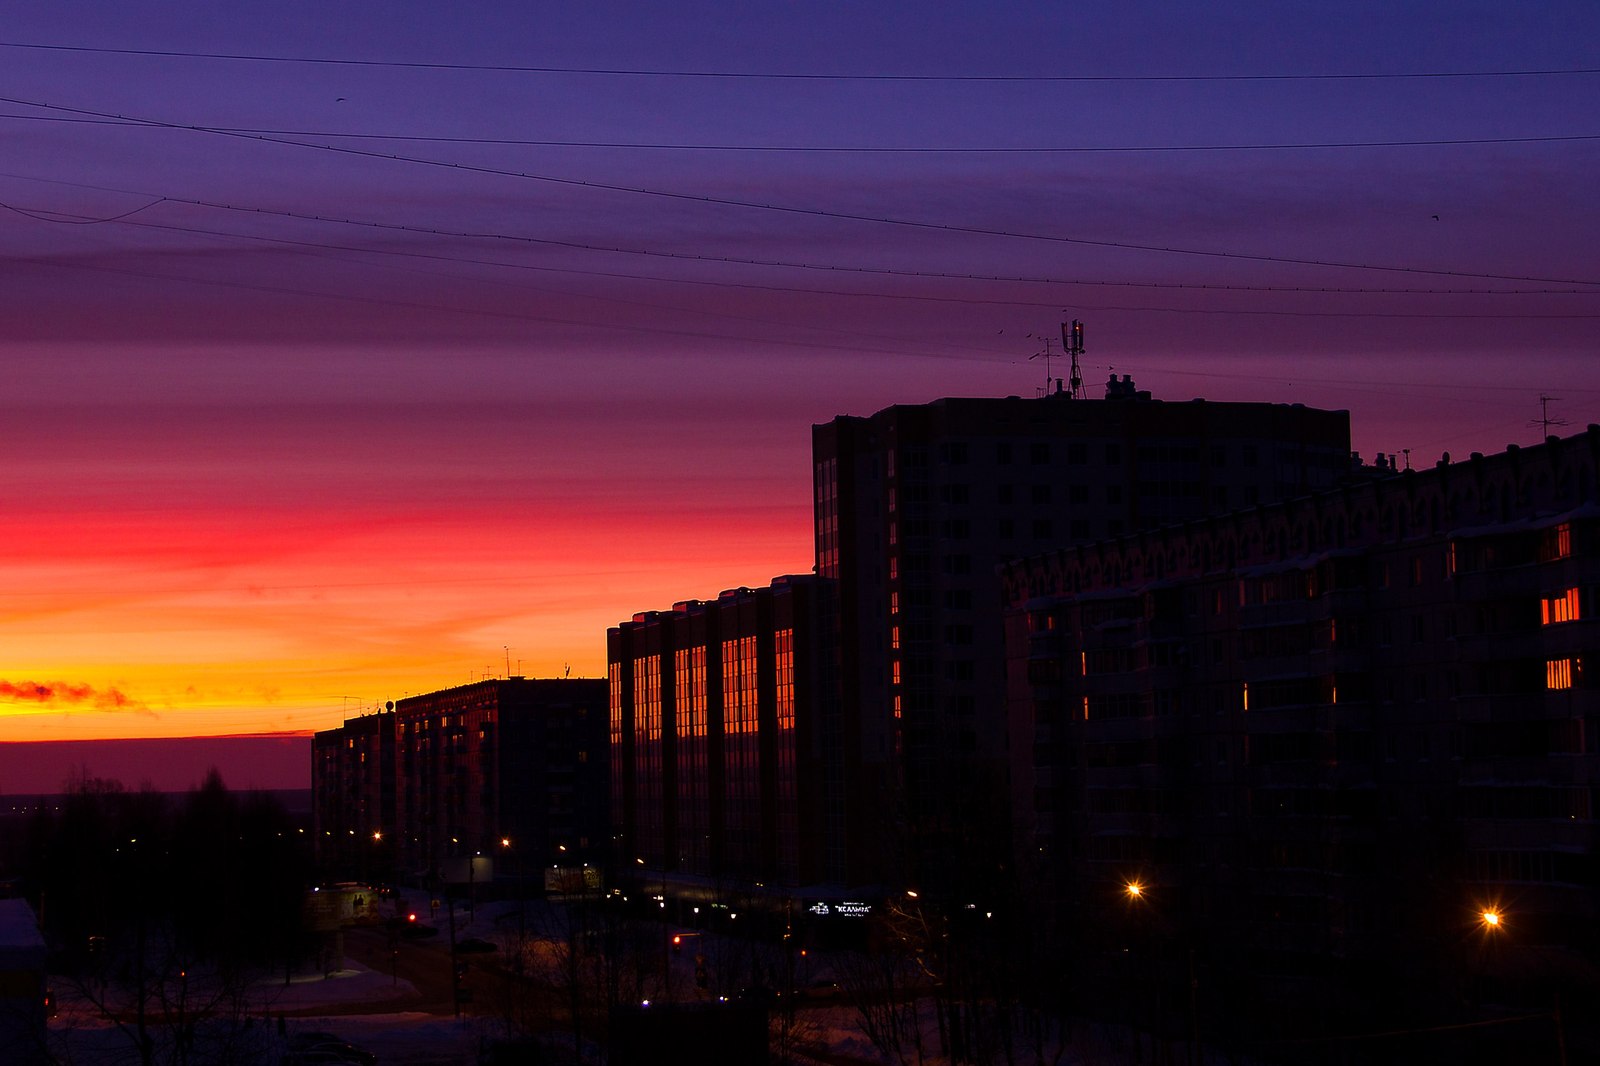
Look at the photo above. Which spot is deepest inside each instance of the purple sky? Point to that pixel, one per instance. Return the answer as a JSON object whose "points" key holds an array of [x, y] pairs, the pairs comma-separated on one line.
{"points": [[292, 425]]}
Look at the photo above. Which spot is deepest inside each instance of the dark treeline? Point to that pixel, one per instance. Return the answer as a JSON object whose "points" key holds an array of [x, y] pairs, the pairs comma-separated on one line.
{"points": [[219, 877]]}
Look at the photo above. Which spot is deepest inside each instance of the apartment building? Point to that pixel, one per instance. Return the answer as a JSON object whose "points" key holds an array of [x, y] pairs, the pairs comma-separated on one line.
{"points": [[1349, 742]]}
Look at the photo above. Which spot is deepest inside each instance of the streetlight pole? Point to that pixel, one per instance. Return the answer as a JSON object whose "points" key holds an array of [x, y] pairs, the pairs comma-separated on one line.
{"points": [[1492, 921]]}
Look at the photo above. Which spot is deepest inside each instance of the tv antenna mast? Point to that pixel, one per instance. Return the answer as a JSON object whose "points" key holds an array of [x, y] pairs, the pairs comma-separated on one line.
{"points": [[1046, 355], [1544, 421]]}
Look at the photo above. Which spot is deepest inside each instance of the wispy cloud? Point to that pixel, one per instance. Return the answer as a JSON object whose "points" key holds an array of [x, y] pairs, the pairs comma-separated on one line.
{"points": [[66, 694]]}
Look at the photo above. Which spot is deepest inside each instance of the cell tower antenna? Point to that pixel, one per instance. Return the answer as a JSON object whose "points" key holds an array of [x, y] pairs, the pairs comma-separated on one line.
{"points": [[1072, 344], [1544, 421]]}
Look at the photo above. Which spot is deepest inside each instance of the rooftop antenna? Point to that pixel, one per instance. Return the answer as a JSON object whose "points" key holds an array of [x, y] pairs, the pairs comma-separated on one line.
{"points": [[1048, 380], [507, 648], [1072, 344], [1544, 421]]}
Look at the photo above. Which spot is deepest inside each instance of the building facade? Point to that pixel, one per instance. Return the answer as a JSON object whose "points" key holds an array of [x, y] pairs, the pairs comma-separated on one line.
{"points": [[716, 742], [511, 768], [1344, 743], [353, 796], [917, 506]]}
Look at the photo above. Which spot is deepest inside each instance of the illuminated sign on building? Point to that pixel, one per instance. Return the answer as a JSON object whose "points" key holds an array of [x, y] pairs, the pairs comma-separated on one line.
{"points": [[842, 909]]}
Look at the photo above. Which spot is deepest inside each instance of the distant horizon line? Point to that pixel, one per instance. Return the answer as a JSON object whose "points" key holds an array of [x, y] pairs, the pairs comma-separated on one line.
{"points": [[283, 733]]}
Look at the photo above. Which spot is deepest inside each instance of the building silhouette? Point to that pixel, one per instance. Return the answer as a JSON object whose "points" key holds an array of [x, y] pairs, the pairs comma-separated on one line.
{"points": [[717, 742], [917, 506], [510, 768], [898, 772], [1345, 744], [353, 796]]}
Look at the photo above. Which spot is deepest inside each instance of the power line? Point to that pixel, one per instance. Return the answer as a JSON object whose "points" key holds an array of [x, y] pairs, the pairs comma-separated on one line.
{"points": [[77, 220], [41, 214], [753, 75], [838, 149], [792, 290], [833, 268], [814, 212], [279, 290]]}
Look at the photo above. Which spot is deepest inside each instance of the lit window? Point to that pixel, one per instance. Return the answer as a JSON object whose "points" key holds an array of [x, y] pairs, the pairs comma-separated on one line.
{"points": [[1557, 543], [894, 637], [1558, 674], [1562, 607], [1245, 696]]}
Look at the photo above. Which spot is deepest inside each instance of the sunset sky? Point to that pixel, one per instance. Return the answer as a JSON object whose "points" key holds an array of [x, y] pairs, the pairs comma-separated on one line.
{"points": [[353, 350]]}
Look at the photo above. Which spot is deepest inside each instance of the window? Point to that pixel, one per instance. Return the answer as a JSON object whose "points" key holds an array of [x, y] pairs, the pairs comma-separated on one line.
{"points": [[1556, 543], [954, 493], [1562, 607], [1558, 674]]}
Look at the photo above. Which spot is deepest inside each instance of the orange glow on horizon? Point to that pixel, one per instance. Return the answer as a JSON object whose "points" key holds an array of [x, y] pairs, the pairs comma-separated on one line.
{"points": [[204, 624]]}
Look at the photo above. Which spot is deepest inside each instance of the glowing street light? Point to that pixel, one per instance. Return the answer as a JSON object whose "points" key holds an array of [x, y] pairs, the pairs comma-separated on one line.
{"points": [[1133, 890], [1490, 918]]}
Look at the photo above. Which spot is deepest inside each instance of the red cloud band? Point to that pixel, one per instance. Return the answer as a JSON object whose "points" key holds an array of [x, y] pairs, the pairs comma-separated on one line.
{"points": [[63, 692]]}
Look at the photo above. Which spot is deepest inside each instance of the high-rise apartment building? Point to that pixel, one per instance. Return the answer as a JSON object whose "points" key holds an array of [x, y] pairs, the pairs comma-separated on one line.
{"points": [[1348, 745], [916, 507]]}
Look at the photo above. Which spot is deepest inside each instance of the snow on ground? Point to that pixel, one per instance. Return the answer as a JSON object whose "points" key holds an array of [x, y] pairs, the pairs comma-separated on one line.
{"points": [[412, 1038], [345, 987]]}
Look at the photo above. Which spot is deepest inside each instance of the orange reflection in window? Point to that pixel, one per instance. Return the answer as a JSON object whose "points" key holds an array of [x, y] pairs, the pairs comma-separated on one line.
{"points": [[1562, 607], [1558, 674]]}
